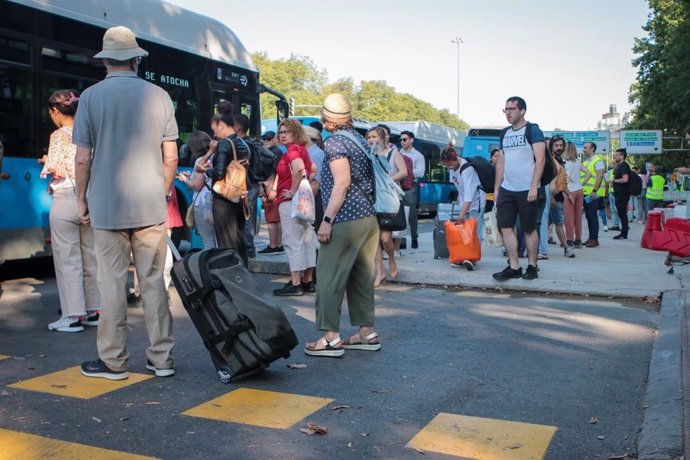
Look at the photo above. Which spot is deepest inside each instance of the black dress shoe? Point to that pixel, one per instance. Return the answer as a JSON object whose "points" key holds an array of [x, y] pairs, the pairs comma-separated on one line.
{"points": [[620, 237]]}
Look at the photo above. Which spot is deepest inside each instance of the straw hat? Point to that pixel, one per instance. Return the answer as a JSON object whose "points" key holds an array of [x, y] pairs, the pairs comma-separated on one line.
{"points": [[336, 108], [120, 44]]}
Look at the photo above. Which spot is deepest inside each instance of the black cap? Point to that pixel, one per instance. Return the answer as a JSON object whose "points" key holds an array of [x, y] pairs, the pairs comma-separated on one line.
{"points": [[268, 135]]}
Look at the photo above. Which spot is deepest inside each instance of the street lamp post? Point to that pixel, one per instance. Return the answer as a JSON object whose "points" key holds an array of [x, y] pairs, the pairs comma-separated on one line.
{"points": [[458, 41]]}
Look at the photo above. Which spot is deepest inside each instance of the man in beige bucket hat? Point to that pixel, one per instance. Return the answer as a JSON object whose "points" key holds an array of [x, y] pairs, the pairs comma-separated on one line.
{"points": [[120, 44], [125, 132]]}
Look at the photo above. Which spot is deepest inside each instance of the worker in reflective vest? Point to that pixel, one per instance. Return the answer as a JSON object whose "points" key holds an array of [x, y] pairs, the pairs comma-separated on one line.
{"points": [[655, 189], [594, 190]]}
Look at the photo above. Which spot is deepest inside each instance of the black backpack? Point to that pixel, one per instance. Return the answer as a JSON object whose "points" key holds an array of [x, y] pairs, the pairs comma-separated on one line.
{"points": [[485, 171], [634, 184], [549, 169], [262, 162]]}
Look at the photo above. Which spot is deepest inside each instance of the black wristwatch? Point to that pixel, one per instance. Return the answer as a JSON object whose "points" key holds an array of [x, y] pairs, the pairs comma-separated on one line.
{"points": [[327, 219]]}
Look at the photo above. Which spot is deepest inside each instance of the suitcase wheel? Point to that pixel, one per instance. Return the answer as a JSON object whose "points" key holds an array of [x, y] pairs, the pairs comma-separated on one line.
{"points": [[224, 376]]}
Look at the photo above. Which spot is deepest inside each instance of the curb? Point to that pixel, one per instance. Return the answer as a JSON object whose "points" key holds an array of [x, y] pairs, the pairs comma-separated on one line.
{"points": [[661, 435]]}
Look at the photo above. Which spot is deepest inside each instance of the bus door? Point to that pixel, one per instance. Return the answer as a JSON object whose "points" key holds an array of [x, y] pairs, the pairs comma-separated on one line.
{"points": [[24, 198]]}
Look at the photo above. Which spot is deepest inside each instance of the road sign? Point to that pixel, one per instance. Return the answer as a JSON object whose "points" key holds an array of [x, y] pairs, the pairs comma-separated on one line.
{"points": [[638, 142], [602, 139]]}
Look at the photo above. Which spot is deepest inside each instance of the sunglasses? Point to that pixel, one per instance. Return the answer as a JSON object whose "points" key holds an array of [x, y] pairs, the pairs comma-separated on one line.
{"points": [[404, 139]]}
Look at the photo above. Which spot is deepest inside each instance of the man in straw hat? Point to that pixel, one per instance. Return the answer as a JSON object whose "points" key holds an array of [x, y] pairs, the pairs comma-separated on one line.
{"points": [[348, 234], [125, 132]]}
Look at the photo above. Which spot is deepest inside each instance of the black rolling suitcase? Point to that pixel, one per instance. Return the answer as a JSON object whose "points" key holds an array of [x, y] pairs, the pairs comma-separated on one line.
{"points": [[444, 212], [243, 330]]}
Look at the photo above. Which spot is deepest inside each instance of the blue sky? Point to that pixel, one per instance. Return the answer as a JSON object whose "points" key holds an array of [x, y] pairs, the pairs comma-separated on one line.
{"points": [[568, 59]]}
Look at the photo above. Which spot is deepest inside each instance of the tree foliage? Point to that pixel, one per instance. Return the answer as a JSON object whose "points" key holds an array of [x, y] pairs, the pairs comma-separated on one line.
{"points": [[299, 78], [661, 93]]}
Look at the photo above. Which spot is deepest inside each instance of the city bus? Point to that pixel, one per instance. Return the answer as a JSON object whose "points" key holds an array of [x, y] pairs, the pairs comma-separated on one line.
{"points": [[47, 45]]}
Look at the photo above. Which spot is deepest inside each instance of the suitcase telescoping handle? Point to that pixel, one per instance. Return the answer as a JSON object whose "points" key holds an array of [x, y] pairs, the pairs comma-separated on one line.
{"points": [[173, 249]]}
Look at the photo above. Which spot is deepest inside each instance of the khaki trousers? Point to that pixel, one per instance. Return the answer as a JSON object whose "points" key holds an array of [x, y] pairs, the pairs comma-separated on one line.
{"points": [[73, 256], [148, 246], [346, 265]]}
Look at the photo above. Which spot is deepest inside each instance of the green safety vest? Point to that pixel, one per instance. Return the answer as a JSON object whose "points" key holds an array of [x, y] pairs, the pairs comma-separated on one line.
{"points": [[589, 185], [656, 191]]}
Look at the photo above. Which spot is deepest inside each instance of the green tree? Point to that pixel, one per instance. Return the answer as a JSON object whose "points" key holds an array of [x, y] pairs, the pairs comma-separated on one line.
{"points": [[661, 93], [299, 78]]}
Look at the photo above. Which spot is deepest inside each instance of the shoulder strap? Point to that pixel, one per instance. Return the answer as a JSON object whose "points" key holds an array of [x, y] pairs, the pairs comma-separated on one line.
{"points": [[528, 132], [353, 179], [232, 145], [351, 137], [502, 135]]}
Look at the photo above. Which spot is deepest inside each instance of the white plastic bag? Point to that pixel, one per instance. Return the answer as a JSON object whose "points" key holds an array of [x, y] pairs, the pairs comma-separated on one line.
{"points": [[303, 204]]}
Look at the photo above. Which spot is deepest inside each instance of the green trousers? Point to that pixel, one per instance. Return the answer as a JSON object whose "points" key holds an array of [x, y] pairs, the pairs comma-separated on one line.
{"points": [[346, 265]]}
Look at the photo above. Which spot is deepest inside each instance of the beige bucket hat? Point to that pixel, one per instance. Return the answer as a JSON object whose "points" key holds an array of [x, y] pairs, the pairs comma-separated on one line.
{"points": [[119, 43]]}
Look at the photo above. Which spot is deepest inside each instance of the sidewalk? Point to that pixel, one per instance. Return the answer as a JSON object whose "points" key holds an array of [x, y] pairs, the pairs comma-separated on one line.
{"points": [[616, 268]]}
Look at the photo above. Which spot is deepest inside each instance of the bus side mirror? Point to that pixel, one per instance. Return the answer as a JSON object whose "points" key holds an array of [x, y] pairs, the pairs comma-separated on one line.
{"points": [[283, 109]]}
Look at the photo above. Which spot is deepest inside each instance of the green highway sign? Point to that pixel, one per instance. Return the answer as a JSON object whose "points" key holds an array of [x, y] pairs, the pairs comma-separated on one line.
{"points": [[638, 142], [602, 139]]}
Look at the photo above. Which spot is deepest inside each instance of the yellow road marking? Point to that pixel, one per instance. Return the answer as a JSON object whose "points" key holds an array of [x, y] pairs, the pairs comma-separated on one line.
{"points": [[4, 357], [70, 382], [268, 409], [483, 438], [16, 445]]}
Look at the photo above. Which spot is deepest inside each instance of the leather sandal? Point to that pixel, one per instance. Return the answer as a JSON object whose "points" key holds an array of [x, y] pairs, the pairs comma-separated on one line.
{"points": [[330, 349], [364, 342]]}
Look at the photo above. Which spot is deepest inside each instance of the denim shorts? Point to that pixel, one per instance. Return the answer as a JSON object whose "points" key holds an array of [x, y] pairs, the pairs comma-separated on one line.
{"points": [[556, 213]]}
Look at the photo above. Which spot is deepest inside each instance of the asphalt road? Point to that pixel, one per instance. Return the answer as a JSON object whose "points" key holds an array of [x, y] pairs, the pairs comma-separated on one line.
{"points": [[577, 364]]}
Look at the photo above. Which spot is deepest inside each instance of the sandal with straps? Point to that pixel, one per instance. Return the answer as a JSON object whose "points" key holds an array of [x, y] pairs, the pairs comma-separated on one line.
{"points": [[330, 349], [364, 342]]}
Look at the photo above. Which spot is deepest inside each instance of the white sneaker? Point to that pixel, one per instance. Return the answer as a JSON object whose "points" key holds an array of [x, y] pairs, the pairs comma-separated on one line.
{"points": [[568, 252], [606, 229], [67, 324], [164, 372]]}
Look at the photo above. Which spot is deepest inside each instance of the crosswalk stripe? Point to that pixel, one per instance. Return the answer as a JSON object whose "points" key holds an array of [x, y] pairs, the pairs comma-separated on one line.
{"points": [[17, 445], [483, 438], [70, 382], [268, 409]]}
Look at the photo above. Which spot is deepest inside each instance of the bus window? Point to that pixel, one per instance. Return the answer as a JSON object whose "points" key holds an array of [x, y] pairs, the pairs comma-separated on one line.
{"points": [[15, 50], [16, 104], [48, 86], [72, 62]]}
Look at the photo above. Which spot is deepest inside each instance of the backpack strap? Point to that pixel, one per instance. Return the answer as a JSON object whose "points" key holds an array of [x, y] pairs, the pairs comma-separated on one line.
{"points": [[354, 180], [528, 133], [468, 164], [502, 135]]}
